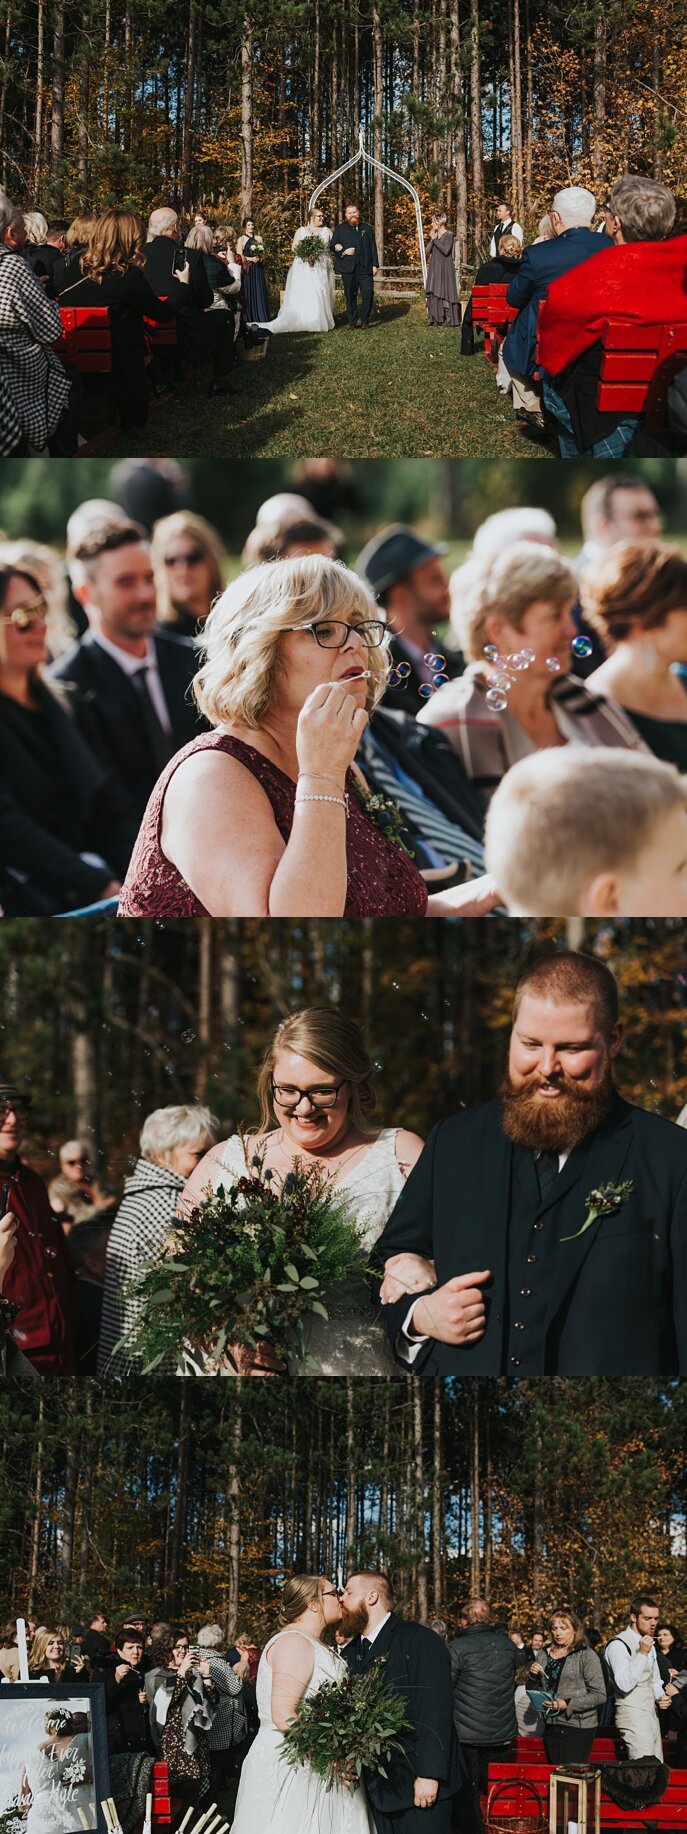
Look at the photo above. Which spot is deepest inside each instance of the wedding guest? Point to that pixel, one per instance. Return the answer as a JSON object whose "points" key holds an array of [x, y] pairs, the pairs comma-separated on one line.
{"points": [[425, 1775], [441, 289], [443, 814], [181, 1699], [505, 225], [406, 573], [294, 661], [172, 1141], [574, 241], [599, 834], [75, 1194], [9, 1653], [520, 602], [96, 1644], [617, 507], [252, 255], [43, 396], [201, 334], [126, 679], [228, 1734], [39, 1281], [87, 1243], [497, 271], [225, 286], [121, 1677], [545, 1300], [316, 1095], [76, 241], [48, 1656], [572, 1673], [12, 1363], [506, 526], [190, 570], [112, 275], [483, 1665], [636, 597], [291, 534], [640, 1693], [671, 1653]]}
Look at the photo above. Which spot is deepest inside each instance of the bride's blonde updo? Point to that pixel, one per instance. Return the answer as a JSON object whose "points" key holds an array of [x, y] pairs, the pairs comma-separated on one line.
{"points": [[298, 1593]]}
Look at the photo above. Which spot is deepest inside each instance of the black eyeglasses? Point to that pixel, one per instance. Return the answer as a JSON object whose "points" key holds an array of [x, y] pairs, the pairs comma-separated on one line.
{"points": [[331, 634], [331, 1594], [18, 1108], [323, 1096], [192, 559]]}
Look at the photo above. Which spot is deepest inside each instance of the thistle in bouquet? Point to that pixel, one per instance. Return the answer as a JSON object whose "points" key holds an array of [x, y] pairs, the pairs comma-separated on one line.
{"points": [[248, 1267], [311, 249], [348, 1727]]}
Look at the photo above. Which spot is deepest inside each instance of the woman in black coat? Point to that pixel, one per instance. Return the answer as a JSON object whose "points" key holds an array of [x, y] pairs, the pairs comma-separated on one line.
{"points": [[64, 838], [111, 269]]}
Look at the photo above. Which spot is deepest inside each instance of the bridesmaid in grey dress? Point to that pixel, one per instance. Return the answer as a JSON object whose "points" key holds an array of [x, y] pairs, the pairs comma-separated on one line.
{"points": [[315, 1091], [443, 306]]}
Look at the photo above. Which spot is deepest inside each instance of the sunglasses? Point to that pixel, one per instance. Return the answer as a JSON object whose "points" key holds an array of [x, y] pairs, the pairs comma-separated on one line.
{"points": [[27, 615], [192, 559]]}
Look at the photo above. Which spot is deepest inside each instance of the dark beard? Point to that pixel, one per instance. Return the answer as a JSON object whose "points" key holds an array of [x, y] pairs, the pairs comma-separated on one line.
{"points": [[556, 1126], [354, 1623]]}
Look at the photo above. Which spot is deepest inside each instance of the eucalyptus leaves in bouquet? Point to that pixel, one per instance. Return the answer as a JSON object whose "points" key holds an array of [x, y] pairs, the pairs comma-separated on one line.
{"points": [[347, 1727], [311, 249], [248, 1266]]}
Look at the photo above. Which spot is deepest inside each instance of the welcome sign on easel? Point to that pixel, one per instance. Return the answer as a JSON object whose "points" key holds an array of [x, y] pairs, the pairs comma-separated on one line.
{"points": [[53, 1754]]}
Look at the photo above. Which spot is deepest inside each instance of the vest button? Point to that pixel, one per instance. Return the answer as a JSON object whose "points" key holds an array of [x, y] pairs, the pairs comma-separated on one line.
{"points": [[539, 1225], [519, 1326], [531, 1260], [525, 1292], [515, 1360]]}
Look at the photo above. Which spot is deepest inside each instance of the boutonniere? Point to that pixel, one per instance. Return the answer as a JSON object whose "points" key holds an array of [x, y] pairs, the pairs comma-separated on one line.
{"points": [[604, 1202]]}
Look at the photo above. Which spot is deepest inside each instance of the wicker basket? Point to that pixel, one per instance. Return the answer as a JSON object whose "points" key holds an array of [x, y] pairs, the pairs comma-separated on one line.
{"points": [[516, 1824]]}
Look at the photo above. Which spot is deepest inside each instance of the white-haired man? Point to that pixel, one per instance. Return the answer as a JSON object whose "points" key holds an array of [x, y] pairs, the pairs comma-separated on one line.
{"points": [[573, 241], [200, 332], [228, 1734]]}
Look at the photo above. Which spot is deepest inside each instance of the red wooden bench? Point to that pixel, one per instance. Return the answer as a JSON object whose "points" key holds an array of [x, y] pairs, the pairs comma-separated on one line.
{"points": [[532, 1768], [86, 340], [490, 309], [161, 335], [165, 1805], [638, 366]]}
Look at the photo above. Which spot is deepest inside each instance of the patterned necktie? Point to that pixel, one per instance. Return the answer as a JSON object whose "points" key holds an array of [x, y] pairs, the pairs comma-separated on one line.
{"points": [[547, 1169]]}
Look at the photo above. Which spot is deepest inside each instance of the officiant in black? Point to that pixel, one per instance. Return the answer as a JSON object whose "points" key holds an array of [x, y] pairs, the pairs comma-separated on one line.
{"points": [[551, 1222], [355, 258], [426, 1774]]}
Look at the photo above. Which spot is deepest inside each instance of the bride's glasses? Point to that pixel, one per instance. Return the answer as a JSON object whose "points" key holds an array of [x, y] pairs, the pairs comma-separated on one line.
{"points": [[286, 1096], [331, 635]]}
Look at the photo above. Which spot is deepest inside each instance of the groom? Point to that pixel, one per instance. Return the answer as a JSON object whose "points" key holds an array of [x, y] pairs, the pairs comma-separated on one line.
{"points": [[356, 260], [421, 1781], [552, 1221]]}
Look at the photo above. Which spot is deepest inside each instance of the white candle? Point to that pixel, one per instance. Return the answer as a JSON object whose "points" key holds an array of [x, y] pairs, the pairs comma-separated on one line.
{"points": [[22, 1650]]}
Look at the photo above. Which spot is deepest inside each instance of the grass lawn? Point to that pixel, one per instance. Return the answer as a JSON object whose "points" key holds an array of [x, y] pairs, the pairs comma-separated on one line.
{"points": [[399, 390]]}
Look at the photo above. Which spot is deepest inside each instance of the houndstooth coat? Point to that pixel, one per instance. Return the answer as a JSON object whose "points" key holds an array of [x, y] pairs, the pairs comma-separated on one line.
{"points": [[139, 1231], [34, 389]]}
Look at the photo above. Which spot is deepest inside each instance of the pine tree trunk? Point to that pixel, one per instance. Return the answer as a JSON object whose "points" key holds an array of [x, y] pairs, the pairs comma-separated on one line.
{"points": [[178, 1532], [516, 124], [246, 118], [378, 50], [437, 1502], [57, 123], [476, 129], [599, 93], [475, 1564], [40, 88], [189, 101], [205, 929], [461, 165], [84, 105], [316, 112], [350, 1471], [37, 1509], [419, 1501]]}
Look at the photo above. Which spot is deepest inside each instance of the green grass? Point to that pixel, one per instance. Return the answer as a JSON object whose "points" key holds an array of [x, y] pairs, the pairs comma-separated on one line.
{"points": [[399, 390]]}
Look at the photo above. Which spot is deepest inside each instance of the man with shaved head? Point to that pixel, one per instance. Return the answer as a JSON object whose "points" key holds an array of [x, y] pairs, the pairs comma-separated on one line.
{"points": [[550, 1224], [423, 1779]]}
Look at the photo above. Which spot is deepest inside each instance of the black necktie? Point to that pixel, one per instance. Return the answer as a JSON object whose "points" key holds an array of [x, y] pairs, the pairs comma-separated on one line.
{"points": [[547, 1169], [161, 743], [365, 1646]]}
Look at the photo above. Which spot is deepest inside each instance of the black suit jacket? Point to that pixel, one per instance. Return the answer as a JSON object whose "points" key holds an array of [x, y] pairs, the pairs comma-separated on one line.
{"points": [[108, 711], [159, 270], [365, 257], [409, 699], [618, 1304], [435, 767], [418, 1667]]}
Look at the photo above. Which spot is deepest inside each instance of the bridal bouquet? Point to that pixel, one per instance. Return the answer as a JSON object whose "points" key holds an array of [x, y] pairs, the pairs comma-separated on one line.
{"points": [[347, 1727], [310, 248], [249, 1266]]}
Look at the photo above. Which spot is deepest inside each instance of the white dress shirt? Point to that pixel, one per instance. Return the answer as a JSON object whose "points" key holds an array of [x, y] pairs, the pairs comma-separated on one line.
{"points": [[131, 665], [407, 1346], [512, 230], [371, 1635], [628, 1669]]}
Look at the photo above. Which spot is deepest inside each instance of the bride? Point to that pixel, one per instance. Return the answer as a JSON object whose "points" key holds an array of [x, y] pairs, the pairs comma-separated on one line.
{"points": [[309, 295], [294, 1664], [316, 1082]]}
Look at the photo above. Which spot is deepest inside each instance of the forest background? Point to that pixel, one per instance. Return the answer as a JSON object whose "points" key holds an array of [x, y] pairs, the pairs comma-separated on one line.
{"points": [[242, 106]]}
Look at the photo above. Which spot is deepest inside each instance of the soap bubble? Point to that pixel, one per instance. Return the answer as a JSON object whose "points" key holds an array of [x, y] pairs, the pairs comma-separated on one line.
{"points": [[581, 646], [394, 680], [517, 662], [553, 664], [529, 655], [187, 1037], [404, 670], [425, 689], [435, 662], [491, 652], [502, 683], [439, 680], [496, 701]]}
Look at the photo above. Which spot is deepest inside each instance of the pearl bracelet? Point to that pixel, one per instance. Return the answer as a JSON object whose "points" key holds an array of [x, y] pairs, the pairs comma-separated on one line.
{"points": [[341, 801]]}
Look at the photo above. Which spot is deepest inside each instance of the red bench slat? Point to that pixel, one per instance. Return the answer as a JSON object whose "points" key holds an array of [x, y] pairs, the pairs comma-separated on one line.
{"points": [[670, 1812], [86, 339]]}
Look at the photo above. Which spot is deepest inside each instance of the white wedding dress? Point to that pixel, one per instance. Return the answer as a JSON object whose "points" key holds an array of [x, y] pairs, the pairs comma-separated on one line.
{"points": [[276, 1798], [309, 293], [352, 1340]]}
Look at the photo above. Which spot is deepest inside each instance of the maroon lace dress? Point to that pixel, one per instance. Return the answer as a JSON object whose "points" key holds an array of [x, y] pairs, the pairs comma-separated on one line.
{"points": [[382, 881]]}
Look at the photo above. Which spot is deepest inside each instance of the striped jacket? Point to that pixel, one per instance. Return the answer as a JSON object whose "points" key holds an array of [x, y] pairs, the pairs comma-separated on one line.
{"points": [[488, 742]]}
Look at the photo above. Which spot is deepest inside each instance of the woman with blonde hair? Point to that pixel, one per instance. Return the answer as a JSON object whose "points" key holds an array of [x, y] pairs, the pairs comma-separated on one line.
{"points": [[570, 1671], [112, 276], [513, 613], [190, 570], [316, 1098], [295, 658], [65, 837], [294, 1664], [48, 1656]]}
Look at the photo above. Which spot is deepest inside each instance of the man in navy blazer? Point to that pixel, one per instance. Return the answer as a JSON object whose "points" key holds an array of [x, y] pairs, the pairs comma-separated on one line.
{"points": [[574, 241]]}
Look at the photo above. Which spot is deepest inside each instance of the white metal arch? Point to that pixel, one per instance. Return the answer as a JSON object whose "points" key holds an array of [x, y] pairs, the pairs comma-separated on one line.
{"points": [[368, 159]]}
